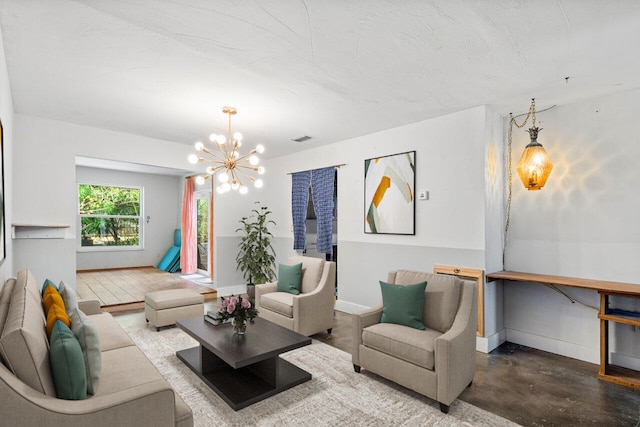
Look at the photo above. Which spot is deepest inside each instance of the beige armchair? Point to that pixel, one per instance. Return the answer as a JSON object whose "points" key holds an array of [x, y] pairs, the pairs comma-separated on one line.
{"points": [[311, 311], [438, 362]]}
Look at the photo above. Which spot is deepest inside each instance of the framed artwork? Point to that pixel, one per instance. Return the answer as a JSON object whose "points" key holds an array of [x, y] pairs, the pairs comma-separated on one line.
{"points": [[3, 234], [389, 194]]}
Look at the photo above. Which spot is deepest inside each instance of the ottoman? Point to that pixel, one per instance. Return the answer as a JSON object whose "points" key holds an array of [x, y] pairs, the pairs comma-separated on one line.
{"points": [[163, 308]]}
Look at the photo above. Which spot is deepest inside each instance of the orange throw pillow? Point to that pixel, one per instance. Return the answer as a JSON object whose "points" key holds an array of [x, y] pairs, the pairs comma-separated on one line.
{"points": [[56, 312], [49, 297]]}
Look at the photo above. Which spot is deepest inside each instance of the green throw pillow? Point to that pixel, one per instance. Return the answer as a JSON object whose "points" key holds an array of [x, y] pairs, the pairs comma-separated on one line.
{"points": [[67, 364], [403, 304], [289, 278]]}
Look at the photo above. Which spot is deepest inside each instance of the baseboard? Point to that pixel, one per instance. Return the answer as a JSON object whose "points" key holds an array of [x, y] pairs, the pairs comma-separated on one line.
{"points": [[349, 307], [620, 359], [488, 344], [563, 348]]}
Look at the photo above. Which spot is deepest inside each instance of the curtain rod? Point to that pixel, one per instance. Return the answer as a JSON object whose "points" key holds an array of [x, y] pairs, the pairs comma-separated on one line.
{"points": [[335, 166]]}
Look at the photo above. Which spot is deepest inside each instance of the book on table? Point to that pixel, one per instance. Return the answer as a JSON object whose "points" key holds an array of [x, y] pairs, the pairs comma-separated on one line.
{"points": [[215, 318]]}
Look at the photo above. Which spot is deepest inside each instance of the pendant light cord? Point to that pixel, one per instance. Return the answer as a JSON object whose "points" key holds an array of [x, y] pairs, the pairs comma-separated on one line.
{"points": [[512, 121]]}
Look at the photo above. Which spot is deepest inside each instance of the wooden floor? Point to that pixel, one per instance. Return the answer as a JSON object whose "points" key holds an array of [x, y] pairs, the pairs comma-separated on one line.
{"points": [[124, 289]]}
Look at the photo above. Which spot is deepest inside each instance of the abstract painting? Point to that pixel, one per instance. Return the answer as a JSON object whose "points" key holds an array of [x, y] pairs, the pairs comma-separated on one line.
{"points": [[389, 194]]}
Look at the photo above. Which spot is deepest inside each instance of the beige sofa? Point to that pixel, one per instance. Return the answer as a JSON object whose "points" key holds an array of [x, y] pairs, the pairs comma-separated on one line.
{"points": [[131, 391], [310, 312], [438, 362]]}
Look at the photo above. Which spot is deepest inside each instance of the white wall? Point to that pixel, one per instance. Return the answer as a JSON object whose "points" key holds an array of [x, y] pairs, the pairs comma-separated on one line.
{"points": [[583, 223], [44, 177], [494, 231], [6, 116], [450, 226], [161, 196]]}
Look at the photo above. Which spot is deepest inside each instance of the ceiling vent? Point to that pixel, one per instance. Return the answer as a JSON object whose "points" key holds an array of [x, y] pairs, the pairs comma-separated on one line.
{"points": [[302, 138]]}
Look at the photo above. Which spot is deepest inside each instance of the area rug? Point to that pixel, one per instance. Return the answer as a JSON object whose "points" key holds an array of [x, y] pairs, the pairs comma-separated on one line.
{"points": [[335, 396]]}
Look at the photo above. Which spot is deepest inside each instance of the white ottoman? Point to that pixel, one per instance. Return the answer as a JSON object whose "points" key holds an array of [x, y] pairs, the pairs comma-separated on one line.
{"points": [[163, 308]]}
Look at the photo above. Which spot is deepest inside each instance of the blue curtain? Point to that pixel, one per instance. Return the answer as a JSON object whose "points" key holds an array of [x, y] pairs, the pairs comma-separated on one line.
{"points": [[299, 202], [322, 185]]}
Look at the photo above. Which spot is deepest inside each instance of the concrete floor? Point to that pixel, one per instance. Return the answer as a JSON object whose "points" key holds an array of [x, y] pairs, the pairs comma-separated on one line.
{"points": [[532, 387], [525, 385]]}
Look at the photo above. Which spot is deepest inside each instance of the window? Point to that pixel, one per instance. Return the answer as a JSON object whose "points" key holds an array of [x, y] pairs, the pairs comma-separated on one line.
{"points": [[110, 217]]}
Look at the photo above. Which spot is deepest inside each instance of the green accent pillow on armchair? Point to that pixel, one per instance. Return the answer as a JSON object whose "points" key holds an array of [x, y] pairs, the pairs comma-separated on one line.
{"points": [[289, 278], [403, 304]]}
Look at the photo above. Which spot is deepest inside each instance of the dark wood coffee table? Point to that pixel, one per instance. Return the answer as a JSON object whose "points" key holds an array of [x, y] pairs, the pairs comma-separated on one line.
{"points": [[243, 369]]}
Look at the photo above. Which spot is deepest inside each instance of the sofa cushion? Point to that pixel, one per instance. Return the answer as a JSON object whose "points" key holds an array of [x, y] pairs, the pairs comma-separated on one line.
{"points": [[87, 336], [289, 278], [279, 302], [312, 269], [110, 333], [403, 304], [24, 345], [409, 344], [5, 298], [26, 279], [124, 368], [442, 296], [67, 364]]}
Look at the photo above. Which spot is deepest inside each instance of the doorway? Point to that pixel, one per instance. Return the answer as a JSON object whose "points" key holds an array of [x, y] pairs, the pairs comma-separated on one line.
{"points": [[203, 231]]}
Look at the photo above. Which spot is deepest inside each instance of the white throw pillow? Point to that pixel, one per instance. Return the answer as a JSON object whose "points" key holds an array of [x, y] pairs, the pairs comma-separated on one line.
{"points": [[87, 335]]}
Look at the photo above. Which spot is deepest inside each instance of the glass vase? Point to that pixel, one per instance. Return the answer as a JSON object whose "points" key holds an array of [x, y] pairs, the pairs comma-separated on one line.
{"points": [[239, 326]]}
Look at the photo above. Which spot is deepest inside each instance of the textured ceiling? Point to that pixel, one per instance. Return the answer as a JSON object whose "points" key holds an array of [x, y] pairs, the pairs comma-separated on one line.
{"points": [[330, 69]]}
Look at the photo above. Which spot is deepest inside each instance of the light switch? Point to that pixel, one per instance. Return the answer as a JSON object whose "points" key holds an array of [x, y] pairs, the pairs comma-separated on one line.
{"points": [[423, 195]]}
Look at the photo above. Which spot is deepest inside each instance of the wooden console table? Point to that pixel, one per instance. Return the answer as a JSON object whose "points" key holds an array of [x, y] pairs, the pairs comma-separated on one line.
{"points": [[606, 289]]}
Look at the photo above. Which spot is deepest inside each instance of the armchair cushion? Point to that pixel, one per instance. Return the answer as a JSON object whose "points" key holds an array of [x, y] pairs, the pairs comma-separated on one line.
{"points": [[403, 304], [409, 344], [289, 278], [312, 269], [441, 299], [278, 302]]}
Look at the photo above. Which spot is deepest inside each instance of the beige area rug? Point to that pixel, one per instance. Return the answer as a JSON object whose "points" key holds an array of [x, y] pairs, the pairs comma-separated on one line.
{"points": [[335, 396]]}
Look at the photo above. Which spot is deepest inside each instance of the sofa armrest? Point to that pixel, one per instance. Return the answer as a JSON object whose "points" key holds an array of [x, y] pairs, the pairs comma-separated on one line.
{"points": [[152, 403], [361, 320], [455, 350], [89, 306], [262, 289]]}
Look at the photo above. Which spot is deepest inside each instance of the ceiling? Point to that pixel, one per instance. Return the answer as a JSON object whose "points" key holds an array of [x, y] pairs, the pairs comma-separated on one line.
{"points": [[330, 69]]}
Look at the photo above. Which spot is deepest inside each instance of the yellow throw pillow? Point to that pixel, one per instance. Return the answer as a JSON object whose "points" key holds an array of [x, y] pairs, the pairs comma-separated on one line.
{"points": [[50, 295], [57, 312]]}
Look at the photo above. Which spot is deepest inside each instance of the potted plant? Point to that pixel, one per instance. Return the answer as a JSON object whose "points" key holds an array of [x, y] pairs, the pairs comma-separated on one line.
{"points": [[256, 257]]}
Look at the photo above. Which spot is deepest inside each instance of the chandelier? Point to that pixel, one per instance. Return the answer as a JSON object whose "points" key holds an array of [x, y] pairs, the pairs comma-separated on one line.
{"points": [[229, 166]]}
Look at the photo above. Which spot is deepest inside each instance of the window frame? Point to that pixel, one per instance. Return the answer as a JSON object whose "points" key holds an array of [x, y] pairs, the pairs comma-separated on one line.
{"points": [[100, 248]]}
